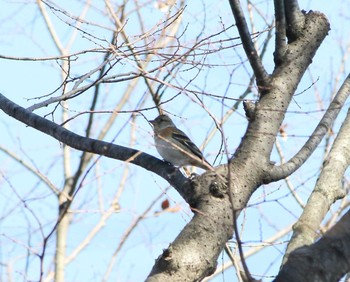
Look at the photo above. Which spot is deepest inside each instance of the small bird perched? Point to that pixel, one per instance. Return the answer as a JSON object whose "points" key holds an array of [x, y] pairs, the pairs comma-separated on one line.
{"points": [[174, 145]]}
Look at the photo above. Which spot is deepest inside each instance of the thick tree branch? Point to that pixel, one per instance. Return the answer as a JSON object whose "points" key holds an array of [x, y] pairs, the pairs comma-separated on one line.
{"points": [[295, 20], [280, 34], [262, 77], [326, 260], [284, 170], [268, 114], [327, 190], [168, 172], [193, 254]]}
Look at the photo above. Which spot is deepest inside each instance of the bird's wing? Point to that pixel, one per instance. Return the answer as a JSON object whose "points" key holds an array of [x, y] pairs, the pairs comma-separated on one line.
{"points": [[182, 138]]}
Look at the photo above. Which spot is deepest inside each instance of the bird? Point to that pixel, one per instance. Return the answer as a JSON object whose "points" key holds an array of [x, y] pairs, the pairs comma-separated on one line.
{"points": [[174, 145]]}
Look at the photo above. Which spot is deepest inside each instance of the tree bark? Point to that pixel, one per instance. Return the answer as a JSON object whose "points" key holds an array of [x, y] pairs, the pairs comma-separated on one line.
{"points": [[325, 261]]}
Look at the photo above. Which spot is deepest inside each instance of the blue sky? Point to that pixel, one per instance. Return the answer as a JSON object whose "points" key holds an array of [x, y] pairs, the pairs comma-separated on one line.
{"points": [[29, 207]]}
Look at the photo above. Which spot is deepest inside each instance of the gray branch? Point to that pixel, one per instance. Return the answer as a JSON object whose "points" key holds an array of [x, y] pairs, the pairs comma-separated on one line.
{"points": [[268, 113], [325, 261], [280, 34], [262, 77], [294, 18], [286, 169], [168, 172], [328, 189]]}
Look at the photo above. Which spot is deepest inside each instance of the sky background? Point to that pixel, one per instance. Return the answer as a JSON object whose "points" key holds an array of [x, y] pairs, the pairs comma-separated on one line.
{"points": [[28, 209]]}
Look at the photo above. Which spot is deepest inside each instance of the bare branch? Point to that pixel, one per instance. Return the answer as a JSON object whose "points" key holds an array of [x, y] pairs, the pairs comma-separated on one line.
{"points": [[295, 19], [165, 170], [71, 56], [284, 170], [203, 238], [326, 260], [267, 117], [51, 28], [76, 90], [262, 77], [253, 250], [126, 235], [328, 189], [287, 179], [280, 34], [33, 170]]}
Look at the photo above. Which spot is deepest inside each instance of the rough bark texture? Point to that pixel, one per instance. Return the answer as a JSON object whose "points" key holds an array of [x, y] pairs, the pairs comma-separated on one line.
{"points": [[326, 260], [193, 254], [216, 197], [249, 168], [327, 190]]}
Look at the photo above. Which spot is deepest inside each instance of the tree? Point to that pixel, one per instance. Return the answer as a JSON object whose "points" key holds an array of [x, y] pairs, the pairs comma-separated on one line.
{"points": [[158, 54]]}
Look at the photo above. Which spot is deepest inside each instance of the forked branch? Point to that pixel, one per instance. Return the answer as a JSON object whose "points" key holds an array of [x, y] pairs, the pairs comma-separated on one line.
{"points": [[284, 170]]}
